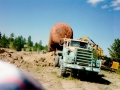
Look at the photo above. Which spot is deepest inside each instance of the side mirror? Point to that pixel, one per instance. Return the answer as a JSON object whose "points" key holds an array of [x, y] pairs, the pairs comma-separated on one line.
{"points": [[68, 52], [61, 43]]}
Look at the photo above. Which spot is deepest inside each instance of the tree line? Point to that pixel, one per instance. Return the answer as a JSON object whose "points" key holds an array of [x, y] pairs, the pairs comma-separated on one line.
{"points": [[20, 43]]}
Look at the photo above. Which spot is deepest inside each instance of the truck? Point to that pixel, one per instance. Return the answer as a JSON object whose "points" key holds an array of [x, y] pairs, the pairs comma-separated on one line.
{"points": [[76, 55]]}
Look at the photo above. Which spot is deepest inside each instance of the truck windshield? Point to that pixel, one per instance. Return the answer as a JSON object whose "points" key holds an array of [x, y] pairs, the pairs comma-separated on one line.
{"points": [[78, 44]]}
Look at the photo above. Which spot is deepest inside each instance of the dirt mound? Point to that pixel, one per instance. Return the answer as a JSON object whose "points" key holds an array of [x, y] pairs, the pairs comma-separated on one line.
{"points": [[27, 59], [44, 60], [2, 50]]}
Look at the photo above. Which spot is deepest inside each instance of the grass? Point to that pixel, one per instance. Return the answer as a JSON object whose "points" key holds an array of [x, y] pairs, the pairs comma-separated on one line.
{"points": [[70, 77], [67, 76], [56, 74], [118, 71], [53, 72]]}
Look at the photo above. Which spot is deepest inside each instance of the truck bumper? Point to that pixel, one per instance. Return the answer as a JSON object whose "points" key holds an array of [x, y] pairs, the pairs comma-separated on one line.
{"points": [[86, 68]]}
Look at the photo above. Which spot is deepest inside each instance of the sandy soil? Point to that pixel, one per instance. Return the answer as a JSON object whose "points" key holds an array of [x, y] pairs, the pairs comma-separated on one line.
{"points": [[41, 67]]}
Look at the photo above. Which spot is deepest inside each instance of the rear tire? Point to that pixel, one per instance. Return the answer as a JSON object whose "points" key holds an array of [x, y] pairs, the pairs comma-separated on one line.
{"points": [[56, 62], [59, 61]]}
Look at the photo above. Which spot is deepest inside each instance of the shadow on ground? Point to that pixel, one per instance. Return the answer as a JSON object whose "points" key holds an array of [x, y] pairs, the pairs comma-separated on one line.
{"points": [[91, 77]]}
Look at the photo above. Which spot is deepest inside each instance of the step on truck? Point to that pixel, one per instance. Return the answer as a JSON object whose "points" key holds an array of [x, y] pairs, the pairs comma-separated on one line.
{"points": [[76, 55]]}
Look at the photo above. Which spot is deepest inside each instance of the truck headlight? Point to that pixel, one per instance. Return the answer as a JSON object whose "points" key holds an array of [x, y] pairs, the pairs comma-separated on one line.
{"points": [[98, 63], [93, 64], [70, 61]]}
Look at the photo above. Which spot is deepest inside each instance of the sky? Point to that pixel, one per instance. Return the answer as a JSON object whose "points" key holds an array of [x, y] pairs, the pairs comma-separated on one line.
{"points": [[97, 19]]}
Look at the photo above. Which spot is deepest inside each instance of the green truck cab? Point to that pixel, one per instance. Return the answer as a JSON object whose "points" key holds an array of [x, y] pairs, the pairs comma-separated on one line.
{"points": [[77, 55]]}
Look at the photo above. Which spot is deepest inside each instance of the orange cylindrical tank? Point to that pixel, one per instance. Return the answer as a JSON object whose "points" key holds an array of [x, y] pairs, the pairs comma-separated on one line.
{"points": [[57, 32]]}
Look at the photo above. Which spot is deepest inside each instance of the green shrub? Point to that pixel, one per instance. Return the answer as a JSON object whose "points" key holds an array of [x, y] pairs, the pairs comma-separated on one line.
{"points": [[118, 71]]}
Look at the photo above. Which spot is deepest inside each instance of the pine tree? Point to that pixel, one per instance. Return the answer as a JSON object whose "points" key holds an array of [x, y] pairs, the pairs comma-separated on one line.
{"points": [[114, 50], [0, 35], [29, 43], [18, 43], [11, 37], [4, 41]]}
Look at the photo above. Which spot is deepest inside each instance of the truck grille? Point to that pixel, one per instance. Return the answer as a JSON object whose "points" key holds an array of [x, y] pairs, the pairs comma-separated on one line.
{"points": [[84, 57]]}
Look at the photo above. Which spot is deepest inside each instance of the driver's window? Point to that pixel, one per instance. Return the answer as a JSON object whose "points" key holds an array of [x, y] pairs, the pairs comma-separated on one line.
{"points": [[72, 43], [75, 44]]}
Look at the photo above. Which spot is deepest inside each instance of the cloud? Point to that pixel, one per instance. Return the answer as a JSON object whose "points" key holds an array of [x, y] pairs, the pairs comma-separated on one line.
{"points": [[105, 6], [115, 4], [94, 2], [117, 8]]}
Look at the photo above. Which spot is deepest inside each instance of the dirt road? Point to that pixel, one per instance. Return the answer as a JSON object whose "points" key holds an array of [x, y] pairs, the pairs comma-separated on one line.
{"points": [[40, 66], [49, 78]]}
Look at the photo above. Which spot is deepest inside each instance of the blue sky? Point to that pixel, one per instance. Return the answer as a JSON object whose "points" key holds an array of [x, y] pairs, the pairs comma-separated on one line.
{"points": [[98, 19]]}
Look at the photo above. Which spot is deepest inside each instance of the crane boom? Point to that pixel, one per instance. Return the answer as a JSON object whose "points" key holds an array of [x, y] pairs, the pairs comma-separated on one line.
{"points": [[93, 45]]}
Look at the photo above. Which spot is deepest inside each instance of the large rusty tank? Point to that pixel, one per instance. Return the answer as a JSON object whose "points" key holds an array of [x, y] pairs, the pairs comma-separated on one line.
{"points": [[58, 31]]}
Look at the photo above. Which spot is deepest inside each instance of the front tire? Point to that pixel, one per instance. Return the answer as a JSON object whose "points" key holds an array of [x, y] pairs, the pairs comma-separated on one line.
{"points": [[62, 70]]}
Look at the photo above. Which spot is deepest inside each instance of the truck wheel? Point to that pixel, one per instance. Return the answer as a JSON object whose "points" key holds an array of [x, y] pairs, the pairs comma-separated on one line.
{"points": [[59, 61], [56, 62], [62, 70]]}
